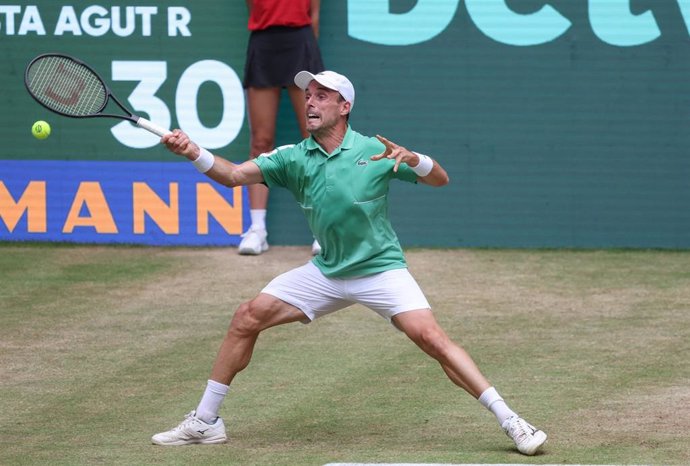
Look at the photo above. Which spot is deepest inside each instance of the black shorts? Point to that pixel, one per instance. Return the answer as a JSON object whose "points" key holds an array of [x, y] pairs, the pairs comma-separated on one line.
{"points": [[275, 55]]}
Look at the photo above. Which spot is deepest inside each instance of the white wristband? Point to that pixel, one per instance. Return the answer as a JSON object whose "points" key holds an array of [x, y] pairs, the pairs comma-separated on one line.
{"points": [[204, 162], [425, 165]]}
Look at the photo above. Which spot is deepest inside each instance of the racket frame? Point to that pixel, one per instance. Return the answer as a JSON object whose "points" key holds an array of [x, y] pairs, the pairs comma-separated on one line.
{"points": [[128, 115]]}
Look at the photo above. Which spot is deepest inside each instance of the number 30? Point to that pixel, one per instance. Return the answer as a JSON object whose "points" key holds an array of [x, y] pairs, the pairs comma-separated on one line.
{"points": [[152, 74]]}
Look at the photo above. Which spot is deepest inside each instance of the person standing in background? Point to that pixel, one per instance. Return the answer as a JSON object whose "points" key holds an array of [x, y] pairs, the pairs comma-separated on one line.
{"points": [[282, 42]]}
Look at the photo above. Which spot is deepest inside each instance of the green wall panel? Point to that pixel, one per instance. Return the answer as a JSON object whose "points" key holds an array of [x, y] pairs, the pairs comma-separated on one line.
{"points": [[561, 123]]}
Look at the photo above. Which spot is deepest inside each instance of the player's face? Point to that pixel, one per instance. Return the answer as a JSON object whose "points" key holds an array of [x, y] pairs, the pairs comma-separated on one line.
{"points": [[324, 107]]}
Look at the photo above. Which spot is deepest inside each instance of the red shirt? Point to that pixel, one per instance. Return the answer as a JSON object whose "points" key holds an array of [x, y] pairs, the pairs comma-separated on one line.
{"points": [[267, 13]]}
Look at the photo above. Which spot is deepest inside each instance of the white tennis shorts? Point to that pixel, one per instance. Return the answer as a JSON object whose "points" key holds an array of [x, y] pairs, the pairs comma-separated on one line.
{"points": [[386, 293]]}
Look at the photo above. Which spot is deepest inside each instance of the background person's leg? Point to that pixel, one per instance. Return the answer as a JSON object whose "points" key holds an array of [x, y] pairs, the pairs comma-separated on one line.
{"points": [[262, 109]]}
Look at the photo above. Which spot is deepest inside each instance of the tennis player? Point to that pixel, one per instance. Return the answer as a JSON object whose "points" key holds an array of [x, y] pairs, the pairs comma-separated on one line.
{"points": [[340, 178]]}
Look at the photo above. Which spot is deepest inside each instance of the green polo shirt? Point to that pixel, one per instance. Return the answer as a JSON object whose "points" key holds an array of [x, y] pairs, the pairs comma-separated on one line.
{"points": [[344, 196]]}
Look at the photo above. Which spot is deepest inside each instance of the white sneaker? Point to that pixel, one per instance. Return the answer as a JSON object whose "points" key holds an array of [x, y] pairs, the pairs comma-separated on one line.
{"points": [[315, 248], [527, 438], [253, 242], [192, 430]]}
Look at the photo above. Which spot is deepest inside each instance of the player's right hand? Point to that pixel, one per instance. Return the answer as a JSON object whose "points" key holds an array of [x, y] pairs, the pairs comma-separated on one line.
{"points": [[179, 143]]}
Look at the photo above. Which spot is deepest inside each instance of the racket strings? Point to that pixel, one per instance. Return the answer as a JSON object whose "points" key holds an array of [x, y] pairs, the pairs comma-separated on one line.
{"points": [[66, 86]]}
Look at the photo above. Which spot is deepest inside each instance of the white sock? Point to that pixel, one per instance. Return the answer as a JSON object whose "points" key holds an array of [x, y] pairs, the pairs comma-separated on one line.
{"points": [[258, 217], [492, 401], [210, 403]]}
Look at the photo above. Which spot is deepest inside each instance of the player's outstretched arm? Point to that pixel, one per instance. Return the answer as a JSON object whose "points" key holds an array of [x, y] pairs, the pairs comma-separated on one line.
{"points": [[217, 168], [430, 171]]}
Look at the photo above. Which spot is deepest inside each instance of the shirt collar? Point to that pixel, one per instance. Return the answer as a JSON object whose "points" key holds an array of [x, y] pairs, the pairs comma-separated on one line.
{"points": [[348, 140]]}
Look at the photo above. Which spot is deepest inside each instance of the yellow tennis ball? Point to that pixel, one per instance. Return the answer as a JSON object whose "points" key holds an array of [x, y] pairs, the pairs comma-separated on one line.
{"points": [[40, 129]]}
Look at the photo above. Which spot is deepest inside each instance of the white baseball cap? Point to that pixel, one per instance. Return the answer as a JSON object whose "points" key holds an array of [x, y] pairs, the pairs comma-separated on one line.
{"points": [[329, 79]]}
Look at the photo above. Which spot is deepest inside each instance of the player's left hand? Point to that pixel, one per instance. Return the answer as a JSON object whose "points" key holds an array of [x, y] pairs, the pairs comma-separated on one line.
{"points": [[394, 151]]}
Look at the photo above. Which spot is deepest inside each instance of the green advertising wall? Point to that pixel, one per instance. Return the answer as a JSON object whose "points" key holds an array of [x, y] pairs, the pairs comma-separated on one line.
{"points": [[561, 123]]}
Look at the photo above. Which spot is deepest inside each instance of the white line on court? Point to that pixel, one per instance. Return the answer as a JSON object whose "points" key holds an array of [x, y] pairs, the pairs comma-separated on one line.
{"points": [[447, 464]]}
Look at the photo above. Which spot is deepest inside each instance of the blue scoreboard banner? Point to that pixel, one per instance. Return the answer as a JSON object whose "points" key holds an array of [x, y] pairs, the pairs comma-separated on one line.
{"points": [[155, 203]]}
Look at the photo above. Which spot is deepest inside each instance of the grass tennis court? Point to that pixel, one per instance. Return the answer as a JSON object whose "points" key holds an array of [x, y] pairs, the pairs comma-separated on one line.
{"points": [[101, 347]]}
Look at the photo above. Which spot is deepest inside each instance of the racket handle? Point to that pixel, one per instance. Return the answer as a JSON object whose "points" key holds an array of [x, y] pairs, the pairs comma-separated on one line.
{"points": [[152, 127]]}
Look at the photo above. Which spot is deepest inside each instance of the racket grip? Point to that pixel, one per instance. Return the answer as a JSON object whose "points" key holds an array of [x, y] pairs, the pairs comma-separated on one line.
{"points": [[152, 127]]}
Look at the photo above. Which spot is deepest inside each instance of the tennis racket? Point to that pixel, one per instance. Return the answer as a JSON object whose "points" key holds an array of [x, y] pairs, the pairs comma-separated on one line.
{"points": [[70, 87]]}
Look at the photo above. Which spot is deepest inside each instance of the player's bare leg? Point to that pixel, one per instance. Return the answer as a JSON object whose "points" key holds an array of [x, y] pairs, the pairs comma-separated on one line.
{"points": [[203, 425], [421, 327], [250, 319]]}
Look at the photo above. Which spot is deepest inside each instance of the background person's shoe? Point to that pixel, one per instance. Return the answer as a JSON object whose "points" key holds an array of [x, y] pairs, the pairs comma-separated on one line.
{"points": [[253, 242], [315, 248]]}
